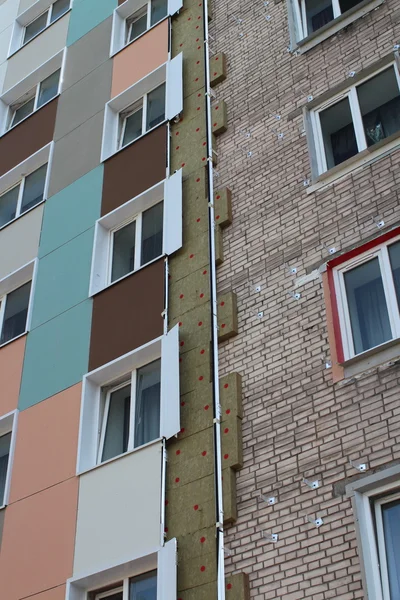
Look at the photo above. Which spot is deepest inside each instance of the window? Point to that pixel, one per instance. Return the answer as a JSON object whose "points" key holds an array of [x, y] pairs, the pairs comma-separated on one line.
{"points": [[368, 295], [8, 426], [387, 515], [312, 15], [362, 116], [14, 313], [147, 113], [5, 445], [25, 195], [40, 23], [127, 254], [45, 91], [131, 415], [146, 17], [142, 587]]}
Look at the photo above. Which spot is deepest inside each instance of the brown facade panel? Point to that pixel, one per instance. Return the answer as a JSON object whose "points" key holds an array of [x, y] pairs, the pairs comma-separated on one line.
{"points": [[135, 169], [127, 315], [28, 137]]}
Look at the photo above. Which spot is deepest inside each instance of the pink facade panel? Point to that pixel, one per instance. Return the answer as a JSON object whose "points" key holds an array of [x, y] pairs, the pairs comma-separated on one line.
{"points": [[140, 58], [11, 361], [38, 542], [47, 441], [57, 593]]}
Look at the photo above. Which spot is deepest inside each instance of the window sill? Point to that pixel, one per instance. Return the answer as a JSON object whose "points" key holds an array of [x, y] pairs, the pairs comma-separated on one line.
{"points": [[107, 462], [28, 116], [366, 157], [109, 285], [332, 28], [134, 141], [13, 340], [112, 54], [372, 358], [38, 34]]}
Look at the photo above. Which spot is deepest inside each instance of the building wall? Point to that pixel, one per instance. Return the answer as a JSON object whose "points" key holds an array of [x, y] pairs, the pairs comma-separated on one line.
{"points": [[297, 421]]}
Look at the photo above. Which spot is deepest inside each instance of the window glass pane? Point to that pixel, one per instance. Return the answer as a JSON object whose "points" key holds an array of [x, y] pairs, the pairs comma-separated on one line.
{"points": [[155, 107], [133, 127], [348, 4], [391, 528], [15, 313], [59, 8], [5, 442], [48, 88], [123, 258], [8, 205], [147, 416], [35, 27], [318, 13], [152, 233], [338, 133], [159, 9], [111, 596], [137, 26], [143, 587], [117, 428], [394, 256], [22, 112], [367, 306], [379, 100], [33, 188]]}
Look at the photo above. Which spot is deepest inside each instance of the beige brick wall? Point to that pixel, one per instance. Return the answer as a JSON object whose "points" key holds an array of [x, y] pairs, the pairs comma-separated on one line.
{"points": [[297, 423]]}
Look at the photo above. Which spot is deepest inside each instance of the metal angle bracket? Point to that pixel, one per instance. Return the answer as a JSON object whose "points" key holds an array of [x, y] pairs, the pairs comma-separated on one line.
{"points": [[311, 484], [268, 500], [359, 466], [317, 522], [270, 537]]}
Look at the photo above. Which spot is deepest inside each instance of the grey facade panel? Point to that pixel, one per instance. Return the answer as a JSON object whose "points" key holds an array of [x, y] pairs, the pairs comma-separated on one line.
{"points": [[88, 53], [83, 100], [76, 153]]}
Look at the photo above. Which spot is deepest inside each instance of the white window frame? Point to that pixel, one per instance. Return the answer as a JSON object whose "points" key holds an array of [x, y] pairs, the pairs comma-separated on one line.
{"points": [[144, 10], [381, 252], [165, 347], [124, 588], [169, 192], [49, 22], [381, 541], [142, 104], [8, 424], [33, 93], [11, 283], [128, 10], [138, 219], [116, 590], [362, 493], [351, 94], [171, 74]]}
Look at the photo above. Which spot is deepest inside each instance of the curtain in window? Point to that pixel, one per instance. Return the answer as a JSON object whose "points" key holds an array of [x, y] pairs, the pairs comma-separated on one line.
{"points": [[367, 306], [391, 527], [344, 144], [322, 18], [382, 122], [147, 417]]}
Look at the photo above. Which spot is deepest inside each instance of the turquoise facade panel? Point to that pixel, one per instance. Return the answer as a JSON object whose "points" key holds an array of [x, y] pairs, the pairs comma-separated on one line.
{"points": [[62, 279], [87, 14], [72, 211], [56, 355]]}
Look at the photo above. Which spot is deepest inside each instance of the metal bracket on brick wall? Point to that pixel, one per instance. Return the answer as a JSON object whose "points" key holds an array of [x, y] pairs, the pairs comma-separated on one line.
{"points": [[311, 484], [378, 222], [268, 499], [270, 537], [295, 295], [359, 466], [317, 522], [330, 249]]}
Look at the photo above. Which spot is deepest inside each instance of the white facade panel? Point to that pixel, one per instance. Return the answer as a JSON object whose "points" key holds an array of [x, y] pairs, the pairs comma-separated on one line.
{"points": [[23, 237], [37, 52], [119, 510], [8, 13]]}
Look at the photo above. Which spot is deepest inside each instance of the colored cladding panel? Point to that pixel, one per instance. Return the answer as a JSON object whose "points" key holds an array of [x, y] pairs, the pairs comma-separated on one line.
{"points": [[119, 510], [56, 356], [77, 207], [88, 53], [2, 515], [11, 361], [80, 150], [23, 236], [140, 58], [47, 442], [38, 541], [83, 100], [127, 315], [135, 169], [28, 137], [57, 593], [86, 15], [63, 278], [36, 52]]}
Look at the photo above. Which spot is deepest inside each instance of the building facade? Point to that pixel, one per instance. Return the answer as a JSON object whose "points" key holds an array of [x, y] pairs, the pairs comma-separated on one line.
{"points": [[199, 283]]}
